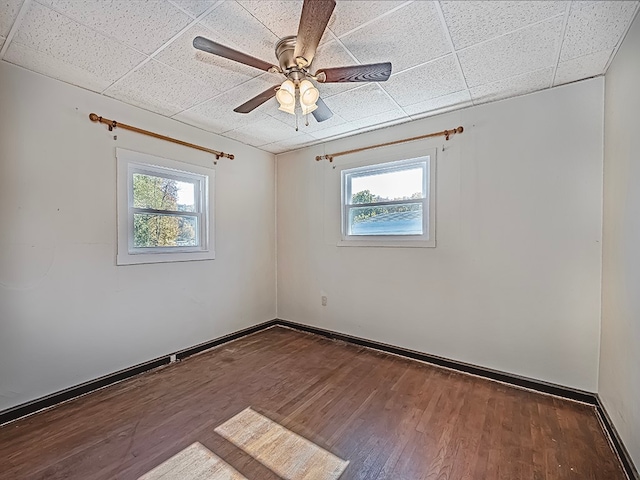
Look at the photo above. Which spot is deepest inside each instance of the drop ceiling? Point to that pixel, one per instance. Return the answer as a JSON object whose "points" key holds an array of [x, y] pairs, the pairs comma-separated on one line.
{"points": [[445, 56]]}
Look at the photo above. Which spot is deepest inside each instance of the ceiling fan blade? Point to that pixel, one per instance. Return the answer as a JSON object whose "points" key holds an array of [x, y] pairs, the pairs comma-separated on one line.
{"points": [[374, 72], [214, 48], [258, 100], [313, 22], [322, 113]]}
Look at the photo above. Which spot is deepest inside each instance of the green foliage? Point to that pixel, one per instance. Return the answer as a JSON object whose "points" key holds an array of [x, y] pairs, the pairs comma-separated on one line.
{"points": [[159, 230], [365, 196]]}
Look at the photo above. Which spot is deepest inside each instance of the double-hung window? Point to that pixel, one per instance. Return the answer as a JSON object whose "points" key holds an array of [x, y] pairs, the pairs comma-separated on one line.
{"points": [[163, 210], [389, 204]]}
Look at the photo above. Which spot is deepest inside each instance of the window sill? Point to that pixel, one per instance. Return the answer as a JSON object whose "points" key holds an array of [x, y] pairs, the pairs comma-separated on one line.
{"points": [[142, 258], [388, 243]]}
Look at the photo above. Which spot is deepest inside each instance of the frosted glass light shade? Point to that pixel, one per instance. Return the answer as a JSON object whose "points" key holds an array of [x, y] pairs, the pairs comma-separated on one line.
{"points": [[308, 95], [307, 110], [286, 97], [288, 108]]}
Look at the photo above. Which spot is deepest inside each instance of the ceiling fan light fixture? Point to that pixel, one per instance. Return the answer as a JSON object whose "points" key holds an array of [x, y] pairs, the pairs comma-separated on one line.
{"points": [[308, 96], [286, 97], [288, 109], [307, 110]]}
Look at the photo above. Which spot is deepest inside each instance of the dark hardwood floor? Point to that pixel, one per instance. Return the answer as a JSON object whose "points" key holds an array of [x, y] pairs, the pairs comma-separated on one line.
{"points": [[391, 417]]}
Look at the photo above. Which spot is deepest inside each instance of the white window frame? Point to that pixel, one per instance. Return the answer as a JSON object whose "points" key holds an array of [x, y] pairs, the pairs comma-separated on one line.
{"points": [[130, 163], [391, 163]]}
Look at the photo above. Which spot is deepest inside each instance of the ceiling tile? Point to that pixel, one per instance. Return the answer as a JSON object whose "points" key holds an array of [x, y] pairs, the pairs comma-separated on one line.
{"points": [[595, 26], [143, 25], [194, 7], [313, 126], [72, 46], [361, 102], [161, 89], [299, 141], [333, 54], [458, 99], [235, 27], [582, 67], [217, 115], [209, 69], [273, 148], [53, 67], [431, 80], [472, 22], [511, 87], [526, 50], [407, 37], [281, 17], [333, 131], [390, 116], [351, 14], [263, 131], [8, 13]]}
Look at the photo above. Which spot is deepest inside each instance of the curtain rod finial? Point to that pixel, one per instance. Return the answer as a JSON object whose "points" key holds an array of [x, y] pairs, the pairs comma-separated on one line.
{"points": [[93, 117]]}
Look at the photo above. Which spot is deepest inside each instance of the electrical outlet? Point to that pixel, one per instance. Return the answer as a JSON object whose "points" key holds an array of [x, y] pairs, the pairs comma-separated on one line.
{"points": [[324, 301]]}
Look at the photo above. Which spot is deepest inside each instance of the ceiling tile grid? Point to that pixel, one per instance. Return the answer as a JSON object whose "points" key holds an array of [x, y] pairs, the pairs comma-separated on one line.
{"points": [[353, 15], [434, 79], [280, 17], [234, 26], [407, 37], [9, 10], [216, 114], [445, 55], [582, 67], [512, 54], [144, 25], [193, 8], [360, 102], [264, 131], [512, 86], [595, 26], [55, 45], [461, 99], [161, 89], [474, 22], [222, 73]]}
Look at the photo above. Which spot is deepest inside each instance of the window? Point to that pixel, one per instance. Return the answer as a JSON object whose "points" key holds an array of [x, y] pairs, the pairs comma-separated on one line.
{"points": [[389, 204], [163, 210]]}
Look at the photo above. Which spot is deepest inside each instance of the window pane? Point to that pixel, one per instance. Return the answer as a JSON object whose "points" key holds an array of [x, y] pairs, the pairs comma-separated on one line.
{"points": [[164, 231], [390, 185], [402, 219], [162, 193]]}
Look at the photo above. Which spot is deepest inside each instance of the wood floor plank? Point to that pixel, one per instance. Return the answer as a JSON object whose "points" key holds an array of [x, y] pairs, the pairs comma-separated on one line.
{"points": [[388, 416]]}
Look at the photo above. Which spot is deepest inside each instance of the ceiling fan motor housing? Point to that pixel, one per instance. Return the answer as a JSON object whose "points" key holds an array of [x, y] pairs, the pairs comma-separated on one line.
{"points": [[285, 54]]}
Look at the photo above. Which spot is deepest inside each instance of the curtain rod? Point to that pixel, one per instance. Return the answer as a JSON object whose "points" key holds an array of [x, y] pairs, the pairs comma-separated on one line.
{"points": [[444, 133], [113, 124]]}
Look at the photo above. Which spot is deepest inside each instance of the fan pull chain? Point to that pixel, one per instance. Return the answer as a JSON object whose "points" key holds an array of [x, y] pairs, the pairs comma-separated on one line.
{"points": [[296, 120], [306, 118]]}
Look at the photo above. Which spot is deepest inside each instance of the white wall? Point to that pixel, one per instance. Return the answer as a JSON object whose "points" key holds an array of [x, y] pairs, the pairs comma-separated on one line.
{"points": [[514, 283], [619, 383], [67, 313]]}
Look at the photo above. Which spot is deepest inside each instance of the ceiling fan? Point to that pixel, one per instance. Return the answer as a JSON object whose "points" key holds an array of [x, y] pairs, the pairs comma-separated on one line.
{"points": [[295, 55]]}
